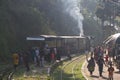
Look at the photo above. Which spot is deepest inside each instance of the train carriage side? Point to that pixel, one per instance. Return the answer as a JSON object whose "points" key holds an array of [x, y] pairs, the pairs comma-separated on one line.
{"points": [[76, 44], [113, 45], [117, 53]]}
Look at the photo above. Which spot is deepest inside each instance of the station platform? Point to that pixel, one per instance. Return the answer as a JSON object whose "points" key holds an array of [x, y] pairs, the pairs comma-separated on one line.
{"points": [[96, 76], [43, 72]]}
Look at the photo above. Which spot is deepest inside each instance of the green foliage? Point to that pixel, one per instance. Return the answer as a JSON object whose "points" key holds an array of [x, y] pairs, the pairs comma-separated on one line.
{"points": [[22, 18], [108, 10], [92, 28], [100, 13], [90, 24], [89, 5]]}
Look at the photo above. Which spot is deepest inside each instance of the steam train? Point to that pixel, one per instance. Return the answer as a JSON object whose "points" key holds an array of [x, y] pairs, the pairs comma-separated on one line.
{"points": [[113, 42], [75, 44]]}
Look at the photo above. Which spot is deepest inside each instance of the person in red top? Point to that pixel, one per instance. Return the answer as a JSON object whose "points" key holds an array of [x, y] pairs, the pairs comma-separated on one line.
{"points": [[106, 59], [52, 55], [110, 72]]}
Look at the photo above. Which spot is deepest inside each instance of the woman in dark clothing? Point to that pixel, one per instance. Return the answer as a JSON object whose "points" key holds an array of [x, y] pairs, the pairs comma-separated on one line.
{"points": [[100, 65], [91, 65]]}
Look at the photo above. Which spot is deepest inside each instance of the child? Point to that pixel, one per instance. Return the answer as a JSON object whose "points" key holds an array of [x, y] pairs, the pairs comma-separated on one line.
{"points": [[110, 72]]}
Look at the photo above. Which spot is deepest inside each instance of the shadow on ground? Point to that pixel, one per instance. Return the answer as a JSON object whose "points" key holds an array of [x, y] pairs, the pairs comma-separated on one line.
{"points": [[118, 72], [94, 76]]}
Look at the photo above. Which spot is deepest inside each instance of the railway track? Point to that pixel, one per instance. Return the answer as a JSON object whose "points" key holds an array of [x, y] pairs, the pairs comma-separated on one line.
{"points": [[6, 73], [70, 69], [76, 67]]}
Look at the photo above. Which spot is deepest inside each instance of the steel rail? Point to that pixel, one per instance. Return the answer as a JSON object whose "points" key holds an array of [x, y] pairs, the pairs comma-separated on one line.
{"points": [[5, 73], [65, 65], [76, 64]]}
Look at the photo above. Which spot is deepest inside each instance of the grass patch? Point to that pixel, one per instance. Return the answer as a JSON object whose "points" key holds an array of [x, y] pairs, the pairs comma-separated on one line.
{"points": [[33, 74], [67, 72], [78, 72]]}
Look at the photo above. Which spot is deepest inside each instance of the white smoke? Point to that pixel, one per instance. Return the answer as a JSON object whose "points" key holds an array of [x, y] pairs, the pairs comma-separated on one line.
{"points": [[73, 9]]}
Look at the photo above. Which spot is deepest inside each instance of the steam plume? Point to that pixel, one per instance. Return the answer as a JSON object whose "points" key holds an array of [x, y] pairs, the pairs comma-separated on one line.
{"points": [[73, 9]]}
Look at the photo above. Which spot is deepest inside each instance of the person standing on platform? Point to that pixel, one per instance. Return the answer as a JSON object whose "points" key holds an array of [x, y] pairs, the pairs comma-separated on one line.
{"points": [[15, 60], [37, 54], [52, 56], [42, 57], [26, 60], [34, 56]]}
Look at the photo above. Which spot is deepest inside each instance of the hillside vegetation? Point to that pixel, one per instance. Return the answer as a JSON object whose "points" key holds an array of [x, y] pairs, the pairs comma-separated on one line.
{"points": [[22, 18]]}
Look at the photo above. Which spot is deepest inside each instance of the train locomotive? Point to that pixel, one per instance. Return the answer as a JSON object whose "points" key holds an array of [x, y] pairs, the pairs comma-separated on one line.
{"points": [[113, 42]]}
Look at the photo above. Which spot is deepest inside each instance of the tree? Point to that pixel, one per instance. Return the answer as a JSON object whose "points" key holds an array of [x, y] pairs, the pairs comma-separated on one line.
{"points": [[107, 11], [22, 18]]}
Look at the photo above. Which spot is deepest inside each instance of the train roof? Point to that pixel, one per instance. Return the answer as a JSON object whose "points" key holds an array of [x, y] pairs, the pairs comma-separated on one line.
{"points": [[115, 38], [51, 37]]}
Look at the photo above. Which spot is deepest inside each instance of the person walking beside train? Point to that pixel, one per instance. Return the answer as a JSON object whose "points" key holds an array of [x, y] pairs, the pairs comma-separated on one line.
{"points": [[96, 53], [91, 65], [92, 50], [110, 72], [106, 59], [110, 51], [100, 63]]}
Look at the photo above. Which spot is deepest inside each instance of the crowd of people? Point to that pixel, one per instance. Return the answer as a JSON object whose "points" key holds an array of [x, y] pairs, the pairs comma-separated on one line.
{"points": [[38, 56], [101, 57]]}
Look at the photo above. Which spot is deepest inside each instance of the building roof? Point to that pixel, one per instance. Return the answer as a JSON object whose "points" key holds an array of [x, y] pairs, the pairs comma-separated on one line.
{"points": [[49, 37]]}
